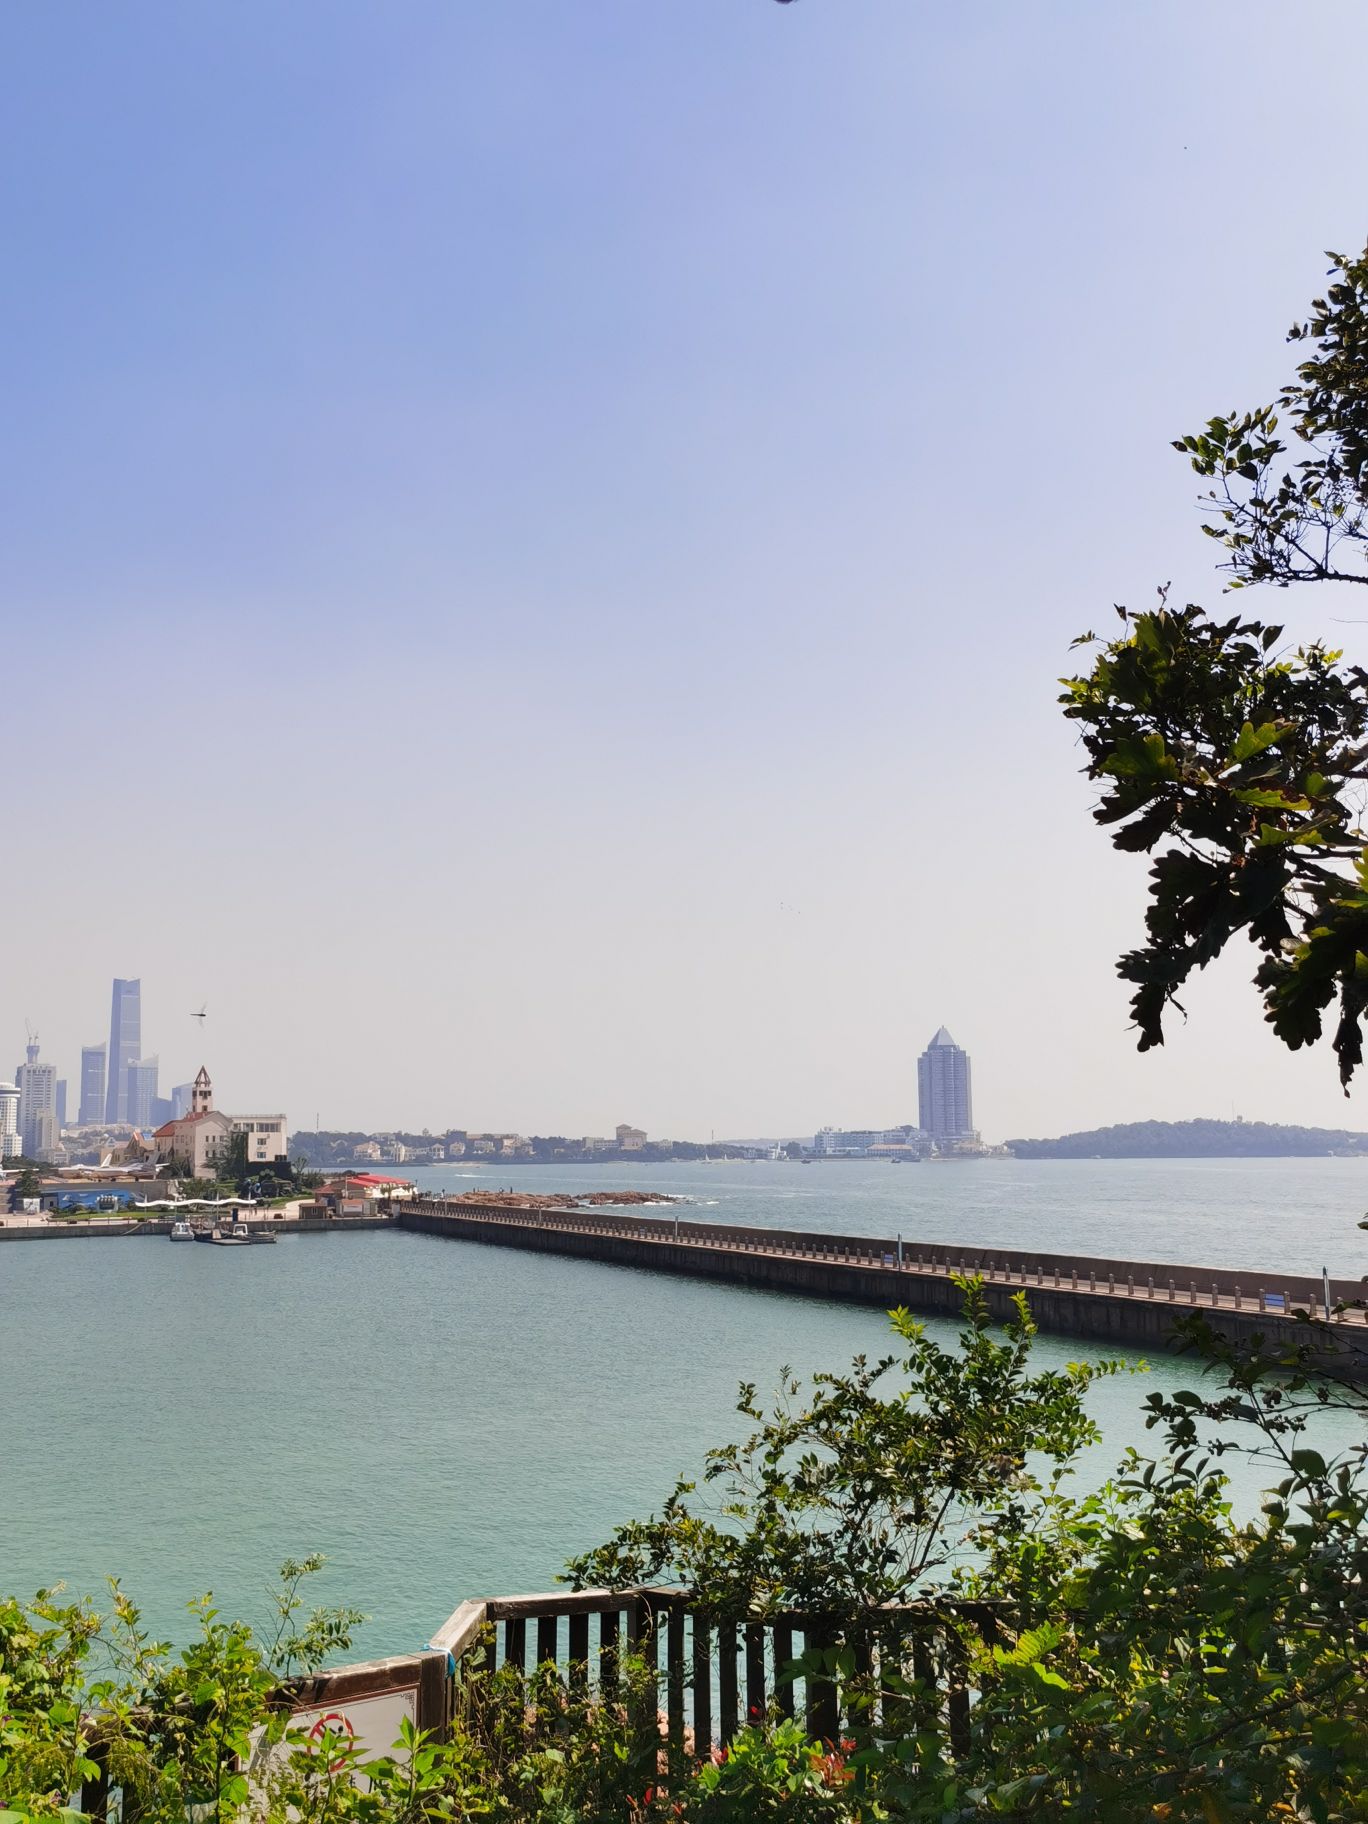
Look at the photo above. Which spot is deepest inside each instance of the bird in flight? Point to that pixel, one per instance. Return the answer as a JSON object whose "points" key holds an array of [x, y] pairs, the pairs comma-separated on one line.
{"points": [[200, 1015]]}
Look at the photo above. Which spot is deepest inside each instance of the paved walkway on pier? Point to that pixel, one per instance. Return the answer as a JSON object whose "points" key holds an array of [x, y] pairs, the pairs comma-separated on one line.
{"points": [[1124, 1300]]}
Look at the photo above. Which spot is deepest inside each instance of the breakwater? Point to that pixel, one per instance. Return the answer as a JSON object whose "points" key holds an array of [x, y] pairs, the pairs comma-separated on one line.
{"points": [[1122, 1302]]}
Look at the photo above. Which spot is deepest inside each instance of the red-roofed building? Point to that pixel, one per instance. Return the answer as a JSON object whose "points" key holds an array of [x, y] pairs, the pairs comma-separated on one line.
{"points": [[198, 1141], [371, 1183], [356, 1195]]}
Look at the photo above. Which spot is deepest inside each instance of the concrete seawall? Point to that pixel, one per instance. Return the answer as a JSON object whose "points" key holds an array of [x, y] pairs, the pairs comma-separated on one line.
{"points": [[852, 1269], [115, 1229]]}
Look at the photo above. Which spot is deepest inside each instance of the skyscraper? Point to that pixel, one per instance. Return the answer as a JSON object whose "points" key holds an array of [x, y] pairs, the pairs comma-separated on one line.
{"points": [[125, 1046], [92, 1110], [142, 1093], [37, 1084], [61, 1103], [944, 1090], [9, 1120]]}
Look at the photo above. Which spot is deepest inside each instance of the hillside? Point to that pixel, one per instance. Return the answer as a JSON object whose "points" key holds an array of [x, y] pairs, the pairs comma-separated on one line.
{"points": [[1194, 1140]]}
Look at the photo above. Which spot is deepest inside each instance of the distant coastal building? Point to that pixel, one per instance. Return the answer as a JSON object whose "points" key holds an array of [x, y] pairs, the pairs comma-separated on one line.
{"points": [[141, 1094], [181, 1095], [266, 1137], [44, 1141], [9, 1120], [92, 1105], [197, 1142], [37, 1086], [357, 1195], [631, 1139], [867, 1142], [125, 1046], [945, 1090]]}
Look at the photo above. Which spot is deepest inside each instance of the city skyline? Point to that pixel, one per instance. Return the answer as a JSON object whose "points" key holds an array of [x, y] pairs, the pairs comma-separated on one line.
{"points": [[942, 1076]]}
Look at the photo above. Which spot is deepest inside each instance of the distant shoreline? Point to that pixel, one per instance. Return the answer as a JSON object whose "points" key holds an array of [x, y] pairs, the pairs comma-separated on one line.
{"points": [[1198, 1139]]}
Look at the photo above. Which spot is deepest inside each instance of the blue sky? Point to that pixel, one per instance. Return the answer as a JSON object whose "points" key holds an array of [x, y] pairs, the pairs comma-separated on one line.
{"points": [[536, 540]]}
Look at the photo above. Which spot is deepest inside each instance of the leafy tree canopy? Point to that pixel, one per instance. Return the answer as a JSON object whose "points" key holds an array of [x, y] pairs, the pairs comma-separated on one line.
{"points": [[1242, 760]]}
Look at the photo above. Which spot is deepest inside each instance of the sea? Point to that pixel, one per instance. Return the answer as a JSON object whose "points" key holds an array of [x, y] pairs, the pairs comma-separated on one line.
{"points": [[445, 1420]]}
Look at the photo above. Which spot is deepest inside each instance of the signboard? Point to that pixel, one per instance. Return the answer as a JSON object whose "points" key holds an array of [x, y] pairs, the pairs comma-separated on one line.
{"points": [[372, 1723]]}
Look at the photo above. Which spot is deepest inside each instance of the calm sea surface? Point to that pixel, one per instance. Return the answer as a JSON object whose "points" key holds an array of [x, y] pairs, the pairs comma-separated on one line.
{"points": [[446, 1420]]}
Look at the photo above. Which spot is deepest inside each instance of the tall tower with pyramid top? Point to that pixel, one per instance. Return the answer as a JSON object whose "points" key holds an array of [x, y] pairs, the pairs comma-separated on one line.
{"points": [[202, 1093], [945, 1090]]}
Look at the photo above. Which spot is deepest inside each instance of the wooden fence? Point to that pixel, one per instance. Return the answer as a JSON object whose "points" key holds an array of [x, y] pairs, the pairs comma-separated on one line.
{"points": [[712, 1675], [715, 1674]]}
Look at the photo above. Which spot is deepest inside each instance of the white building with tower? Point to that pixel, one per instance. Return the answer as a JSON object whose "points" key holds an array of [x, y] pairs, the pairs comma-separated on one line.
{"points": [[198, 1141]]}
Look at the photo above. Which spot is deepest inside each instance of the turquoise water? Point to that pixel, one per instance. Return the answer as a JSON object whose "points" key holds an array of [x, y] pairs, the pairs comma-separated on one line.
{"points": [[447, 1420]]}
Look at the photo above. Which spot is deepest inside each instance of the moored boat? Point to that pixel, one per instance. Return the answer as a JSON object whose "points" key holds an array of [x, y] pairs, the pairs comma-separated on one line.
{"points": [[234, 1236]]}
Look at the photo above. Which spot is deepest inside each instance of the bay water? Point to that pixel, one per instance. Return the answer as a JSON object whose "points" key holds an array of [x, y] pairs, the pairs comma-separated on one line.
{"points": [[445, 1420]]}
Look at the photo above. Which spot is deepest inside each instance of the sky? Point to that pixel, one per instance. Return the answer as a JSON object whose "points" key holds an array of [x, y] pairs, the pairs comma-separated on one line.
{"points": [[537, 541]]}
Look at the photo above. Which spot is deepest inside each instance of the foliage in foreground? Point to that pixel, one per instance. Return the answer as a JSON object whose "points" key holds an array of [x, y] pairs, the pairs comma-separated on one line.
{"points": [[866, 1488], [1150, 1655], [1245, 756]]}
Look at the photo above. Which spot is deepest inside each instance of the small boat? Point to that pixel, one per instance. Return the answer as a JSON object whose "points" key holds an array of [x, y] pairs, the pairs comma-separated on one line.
{"points": [[181, 1231], [234, 1236]]}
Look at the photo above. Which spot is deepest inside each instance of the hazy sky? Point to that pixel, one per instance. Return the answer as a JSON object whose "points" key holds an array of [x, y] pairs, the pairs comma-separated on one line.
{"points": [[537, 539]]}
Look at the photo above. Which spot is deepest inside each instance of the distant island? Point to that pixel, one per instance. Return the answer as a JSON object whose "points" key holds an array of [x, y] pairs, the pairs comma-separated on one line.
{"points": [[1194, 1140]]}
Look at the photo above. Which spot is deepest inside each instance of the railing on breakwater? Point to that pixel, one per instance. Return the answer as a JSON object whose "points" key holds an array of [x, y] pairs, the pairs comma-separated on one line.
{"points": [[1110, 1299], [1250, 1289]]}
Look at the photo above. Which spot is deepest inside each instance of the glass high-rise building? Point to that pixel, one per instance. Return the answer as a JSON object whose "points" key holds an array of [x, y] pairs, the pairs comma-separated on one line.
{"points": [[945, 1093], [92, 1109], [125, 1046], [142, 1093]]}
